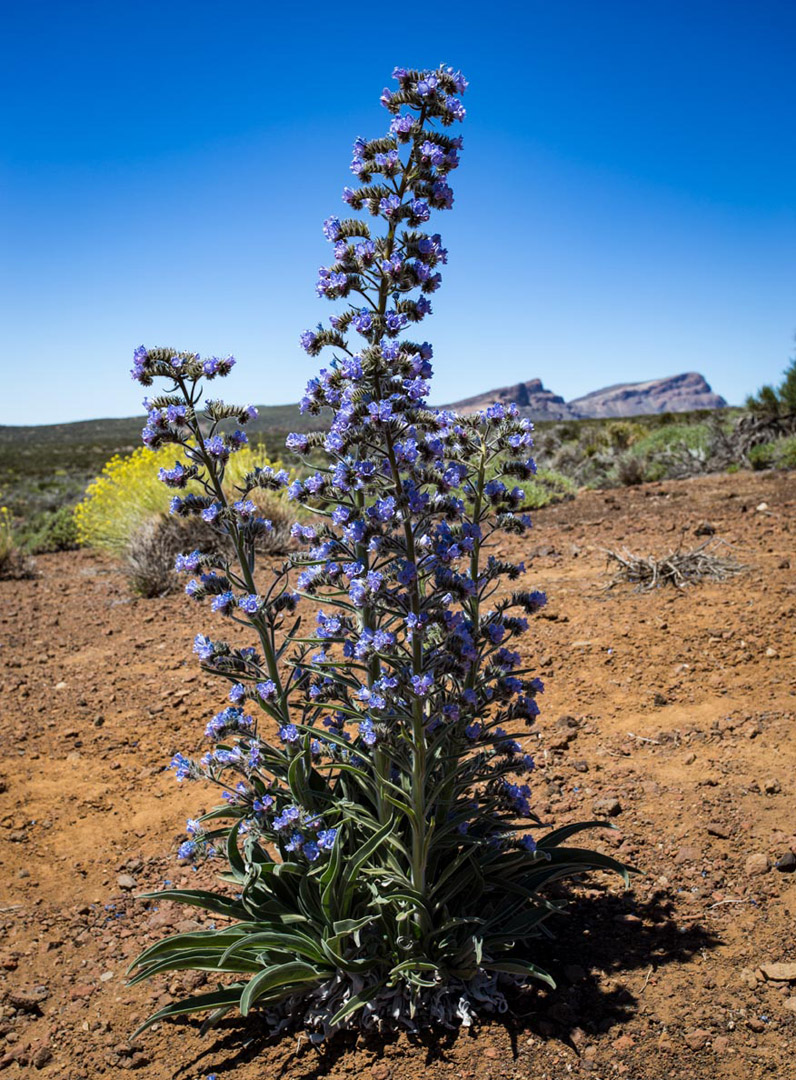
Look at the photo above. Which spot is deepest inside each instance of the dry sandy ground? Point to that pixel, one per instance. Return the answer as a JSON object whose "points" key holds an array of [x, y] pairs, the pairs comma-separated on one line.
{"points": [[684, 705]]}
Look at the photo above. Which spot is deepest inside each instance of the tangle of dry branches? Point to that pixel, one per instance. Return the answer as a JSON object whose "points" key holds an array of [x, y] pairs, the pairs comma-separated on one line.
{"points": [[678, 568]]}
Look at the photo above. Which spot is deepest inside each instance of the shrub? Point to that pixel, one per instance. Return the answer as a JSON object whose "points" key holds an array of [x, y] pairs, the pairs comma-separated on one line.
{"points": [[762, 455], [631, 469], [547, 487], [376, 814], [56, 531], [779, 403], [673, 436], [128, 493], [785, 453], [621, 434], [152, 550], [14, 564]]}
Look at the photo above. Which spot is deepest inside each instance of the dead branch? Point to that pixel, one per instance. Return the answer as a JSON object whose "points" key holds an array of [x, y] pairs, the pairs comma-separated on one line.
{"points": [[679, 568]]}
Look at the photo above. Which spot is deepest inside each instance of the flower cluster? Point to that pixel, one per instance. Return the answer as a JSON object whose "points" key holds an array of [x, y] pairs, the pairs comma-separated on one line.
{"points": [[386, 775]]}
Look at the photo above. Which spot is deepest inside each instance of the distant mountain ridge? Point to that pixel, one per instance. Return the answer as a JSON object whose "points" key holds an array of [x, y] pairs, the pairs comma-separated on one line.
{"points": [[675, 393]]}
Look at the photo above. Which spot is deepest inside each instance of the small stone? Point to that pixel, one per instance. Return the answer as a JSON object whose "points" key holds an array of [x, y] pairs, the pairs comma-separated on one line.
{"points": [[721, 1044], [772, 654], [40, 1057], [380, 1071], [60, 686], [698, 1038], [27, 1000], [689, 759], [567, 723], [772, 787], [790, 1004], [757, 864], [761, 507], [623, 1043], [607, 807], [779, 972], [659, 700], [106, 976], [787, 864], [686, 854], [705, 529], [715, 828], [580, 766], [755, 1024], [491, 1053], [125, 881], [784, 564]]}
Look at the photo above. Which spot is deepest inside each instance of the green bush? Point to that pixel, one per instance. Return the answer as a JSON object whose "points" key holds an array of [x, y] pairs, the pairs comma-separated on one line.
{"points": [[55, 531], [762, 455], [672, 436], [547, 487], [785, 453]]}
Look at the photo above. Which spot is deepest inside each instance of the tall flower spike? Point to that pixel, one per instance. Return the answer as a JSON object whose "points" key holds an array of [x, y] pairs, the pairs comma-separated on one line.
{"points": [[377, 797]]}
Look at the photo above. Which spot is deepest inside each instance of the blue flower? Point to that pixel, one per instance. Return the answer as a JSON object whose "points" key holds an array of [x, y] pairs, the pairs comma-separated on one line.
{"points": [[266, 690], [422, 684], [368, 733], [326, 839]]}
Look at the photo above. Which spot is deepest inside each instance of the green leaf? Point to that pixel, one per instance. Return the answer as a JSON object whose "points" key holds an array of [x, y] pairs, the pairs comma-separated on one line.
{"points": [[295, 944], [196, 960], [517, 967], [413, 965], [276, 978], [297, 779], [356, 1002], [350, 926], [592, 860], [558, 835], [215, 902], [209, 940], [229, 996], [233, 854], [362, 856]]}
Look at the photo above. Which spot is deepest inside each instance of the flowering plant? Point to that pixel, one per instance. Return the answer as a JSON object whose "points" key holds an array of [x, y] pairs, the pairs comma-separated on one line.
{"points": [[376, 815]]}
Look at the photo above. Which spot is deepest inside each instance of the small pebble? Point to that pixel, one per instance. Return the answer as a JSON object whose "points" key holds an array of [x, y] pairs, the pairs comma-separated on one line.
{"points": [[757, 864]]}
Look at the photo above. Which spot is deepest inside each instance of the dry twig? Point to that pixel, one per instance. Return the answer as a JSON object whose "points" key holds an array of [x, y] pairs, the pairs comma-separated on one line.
{"points": [[678, 568]]}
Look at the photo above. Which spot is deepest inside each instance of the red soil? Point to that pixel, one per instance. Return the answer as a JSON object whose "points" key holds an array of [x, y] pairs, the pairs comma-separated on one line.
{"points": [[685, 705]]}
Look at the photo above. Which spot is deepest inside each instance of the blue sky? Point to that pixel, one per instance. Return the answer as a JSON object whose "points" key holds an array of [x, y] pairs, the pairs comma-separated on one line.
{"points": [[625, 207]]}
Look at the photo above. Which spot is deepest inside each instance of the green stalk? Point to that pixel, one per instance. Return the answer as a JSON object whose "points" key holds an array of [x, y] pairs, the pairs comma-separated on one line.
{"points": [[246, 573]]}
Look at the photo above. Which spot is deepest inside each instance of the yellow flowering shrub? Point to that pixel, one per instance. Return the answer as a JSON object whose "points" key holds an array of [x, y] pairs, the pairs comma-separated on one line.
{"points": [[128, 493]]}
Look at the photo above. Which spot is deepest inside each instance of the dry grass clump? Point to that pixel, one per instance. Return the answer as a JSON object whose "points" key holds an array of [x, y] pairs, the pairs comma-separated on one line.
{"points": [[14, 563], [152, 549], [678, 568]]}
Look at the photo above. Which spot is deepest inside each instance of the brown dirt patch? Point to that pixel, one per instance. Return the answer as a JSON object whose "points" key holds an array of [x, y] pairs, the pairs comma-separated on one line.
{"points": [[684, 706]]}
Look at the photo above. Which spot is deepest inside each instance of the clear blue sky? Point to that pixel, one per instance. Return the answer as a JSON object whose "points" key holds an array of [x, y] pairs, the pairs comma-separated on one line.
{"points": [[625, 207]]}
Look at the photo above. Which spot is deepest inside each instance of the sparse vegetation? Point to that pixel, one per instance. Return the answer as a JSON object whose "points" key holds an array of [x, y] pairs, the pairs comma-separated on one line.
{"points": [[14, 563]]}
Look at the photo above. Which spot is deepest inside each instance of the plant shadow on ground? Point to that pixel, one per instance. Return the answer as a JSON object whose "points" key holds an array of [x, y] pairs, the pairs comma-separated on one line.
{"points": [[586, 1000]]}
